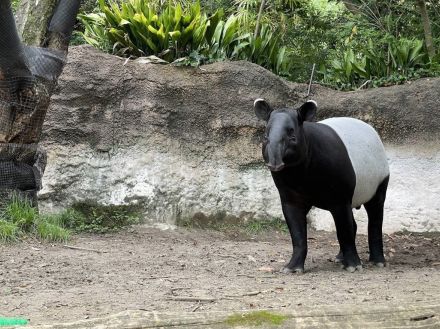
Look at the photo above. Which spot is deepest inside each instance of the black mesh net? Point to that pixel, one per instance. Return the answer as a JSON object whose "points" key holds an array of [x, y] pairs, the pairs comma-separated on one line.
{"points": [[63, 21], [28, 75]]}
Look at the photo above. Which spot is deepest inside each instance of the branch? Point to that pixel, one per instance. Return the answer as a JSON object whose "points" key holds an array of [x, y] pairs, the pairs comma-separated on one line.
{"points": [[12, 59], [62, 24]]}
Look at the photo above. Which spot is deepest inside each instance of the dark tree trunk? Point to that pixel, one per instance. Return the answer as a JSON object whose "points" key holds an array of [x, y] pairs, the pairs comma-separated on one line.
{"points": [[426, 27], [28, 76]]}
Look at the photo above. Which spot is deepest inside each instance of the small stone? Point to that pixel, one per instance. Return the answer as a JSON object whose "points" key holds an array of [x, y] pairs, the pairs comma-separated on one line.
{"points": [[267, 269]]}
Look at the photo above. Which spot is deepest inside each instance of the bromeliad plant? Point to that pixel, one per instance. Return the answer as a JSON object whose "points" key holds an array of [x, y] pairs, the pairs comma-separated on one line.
{"points": [[174, 31], [137, 28]]}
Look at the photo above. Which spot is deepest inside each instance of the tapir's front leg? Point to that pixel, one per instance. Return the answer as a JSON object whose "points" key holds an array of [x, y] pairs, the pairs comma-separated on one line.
{"points": [[296, 221]]}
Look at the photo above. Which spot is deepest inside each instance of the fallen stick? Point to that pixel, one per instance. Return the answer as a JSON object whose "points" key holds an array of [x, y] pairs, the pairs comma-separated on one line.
{"points": [[252, 293], [85, 249], [196, 308], [193, 299]]}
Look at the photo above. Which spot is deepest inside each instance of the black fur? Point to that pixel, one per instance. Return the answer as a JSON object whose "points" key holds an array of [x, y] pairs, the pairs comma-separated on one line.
{"points": [[310, 166]]}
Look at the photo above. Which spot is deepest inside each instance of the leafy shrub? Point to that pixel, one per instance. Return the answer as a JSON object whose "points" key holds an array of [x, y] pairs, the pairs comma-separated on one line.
{"points": [[139, 28], [265, 50], [93, 217], [295, 34], [391, 63], [135, 28]]}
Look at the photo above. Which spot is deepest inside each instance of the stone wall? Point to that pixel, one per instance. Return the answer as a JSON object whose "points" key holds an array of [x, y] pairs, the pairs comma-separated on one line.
{"points": [[184, 142]]}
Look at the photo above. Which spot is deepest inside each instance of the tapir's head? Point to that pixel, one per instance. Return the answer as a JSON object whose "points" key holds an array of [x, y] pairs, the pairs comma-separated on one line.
{"points": [[284, 143]]}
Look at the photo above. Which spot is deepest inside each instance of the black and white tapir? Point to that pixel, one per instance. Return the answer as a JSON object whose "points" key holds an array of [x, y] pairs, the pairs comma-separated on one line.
{"points": [[336, 164]]}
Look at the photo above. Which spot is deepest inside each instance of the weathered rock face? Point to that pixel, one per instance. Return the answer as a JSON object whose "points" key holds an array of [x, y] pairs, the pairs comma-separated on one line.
{"points": [[184, 142]]}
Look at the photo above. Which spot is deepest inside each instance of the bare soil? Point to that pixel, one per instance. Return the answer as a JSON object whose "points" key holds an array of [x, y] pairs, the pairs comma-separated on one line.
{"points": [[144, 268]]}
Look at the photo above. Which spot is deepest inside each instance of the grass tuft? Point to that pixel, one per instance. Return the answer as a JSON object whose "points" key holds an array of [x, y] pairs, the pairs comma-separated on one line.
{"points": [[257, 318], [21, 213], [47, 231], [8, 231], [19, 218], [234, 224], [260, 226]]}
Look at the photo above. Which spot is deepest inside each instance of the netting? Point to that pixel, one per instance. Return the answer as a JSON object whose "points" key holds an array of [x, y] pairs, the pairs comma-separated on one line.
{"points": [[63, 21], [28, 75]]}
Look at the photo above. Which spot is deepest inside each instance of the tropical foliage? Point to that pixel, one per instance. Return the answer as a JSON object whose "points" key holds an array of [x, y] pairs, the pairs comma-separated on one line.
{"points": [[354, 43], [178, 30]]}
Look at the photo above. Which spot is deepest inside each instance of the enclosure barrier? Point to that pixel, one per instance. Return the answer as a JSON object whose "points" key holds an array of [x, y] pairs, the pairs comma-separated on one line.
{"points": [[28, 76]]}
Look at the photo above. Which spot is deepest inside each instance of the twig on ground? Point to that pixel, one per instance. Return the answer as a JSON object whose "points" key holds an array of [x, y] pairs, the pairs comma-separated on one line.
{"points": [[196, 308], [247, 276], [193, 299], [226, 256], [173, 290], [85, 249], [252, 293]]}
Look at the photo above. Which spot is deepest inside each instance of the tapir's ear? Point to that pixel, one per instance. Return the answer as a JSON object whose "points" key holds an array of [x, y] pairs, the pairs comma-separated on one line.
{"points": [[262, 109], [307, 111]]}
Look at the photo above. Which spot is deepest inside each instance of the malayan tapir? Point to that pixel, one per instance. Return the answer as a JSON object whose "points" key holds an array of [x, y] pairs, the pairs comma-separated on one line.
{"points": [[336, 164]]}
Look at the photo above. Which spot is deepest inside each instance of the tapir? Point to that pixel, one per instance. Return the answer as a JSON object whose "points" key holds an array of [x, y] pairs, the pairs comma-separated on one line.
{"points": [[336, 164]]}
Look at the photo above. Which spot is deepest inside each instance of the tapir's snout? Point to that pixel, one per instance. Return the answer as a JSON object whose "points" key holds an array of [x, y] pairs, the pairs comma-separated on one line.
{"points": [[276, 167]]}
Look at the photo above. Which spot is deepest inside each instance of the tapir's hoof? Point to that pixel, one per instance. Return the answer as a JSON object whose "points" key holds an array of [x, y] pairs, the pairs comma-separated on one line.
{"points": [[287, 270], [352, 269], [380, 264], [339, 258]]}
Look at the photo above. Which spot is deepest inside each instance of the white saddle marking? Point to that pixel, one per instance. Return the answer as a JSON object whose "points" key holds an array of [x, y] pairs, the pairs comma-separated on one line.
{"points": [[367, 156]]}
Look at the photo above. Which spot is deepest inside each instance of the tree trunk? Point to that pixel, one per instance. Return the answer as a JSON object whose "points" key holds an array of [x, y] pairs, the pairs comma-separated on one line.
{"points": [[33, 20], [260, 14], [426, 27], [28, 76], [354, 8]]}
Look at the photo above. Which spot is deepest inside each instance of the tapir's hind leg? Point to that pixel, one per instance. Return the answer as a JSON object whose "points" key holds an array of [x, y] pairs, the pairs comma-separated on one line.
{"points": [[374, 209]]}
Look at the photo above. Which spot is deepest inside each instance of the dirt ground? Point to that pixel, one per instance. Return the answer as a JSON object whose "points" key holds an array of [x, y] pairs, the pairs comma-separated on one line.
{"points": [[144, 268]]}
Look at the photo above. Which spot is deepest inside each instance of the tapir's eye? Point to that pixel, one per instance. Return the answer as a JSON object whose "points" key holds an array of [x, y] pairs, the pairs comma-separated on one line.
{"points": [[291, 134]]}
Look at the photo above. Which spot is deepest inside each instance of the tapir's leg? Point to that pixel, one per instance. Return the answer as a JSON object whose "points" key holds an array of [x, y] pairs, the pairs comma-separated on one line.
{"points": [[340, 256], [374, 209], [296, 221], [345, 230]]}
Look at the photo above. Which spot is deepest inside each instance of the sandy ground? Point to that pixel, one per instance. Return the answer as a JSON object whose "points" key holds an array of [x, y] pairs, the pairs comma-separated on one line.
{"points": [[144, 268]]}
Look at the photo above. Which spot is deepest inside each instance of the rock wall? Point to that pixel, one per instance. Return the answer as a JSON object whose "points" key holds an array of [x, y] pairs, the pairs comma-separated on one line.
{"points": [[184, 142]]}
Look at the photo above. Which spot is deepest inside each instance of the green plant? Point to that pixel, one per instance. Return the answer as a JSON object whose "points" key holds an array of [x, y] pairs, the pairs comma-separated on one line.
{"points": [[138, 28], [95, 31], [260, 226], [175, 32], [8, 231], [346, 70], [393, 62], [15, 4], [231, 224], [21, 213], [19, 217], [257, 318], [93, 217], [47, 231], [265, 49]]}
